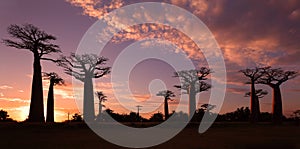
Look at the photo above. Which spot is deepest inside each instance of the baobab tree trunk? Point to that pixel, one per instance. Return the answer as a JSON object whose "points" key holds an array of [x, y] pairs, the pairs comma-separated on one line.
{"points": [[88, 100], [254, 105], [277, 105], [36, 112], [192, 101], [258, 107], [50, 104], [166, 109], [100, 109]]}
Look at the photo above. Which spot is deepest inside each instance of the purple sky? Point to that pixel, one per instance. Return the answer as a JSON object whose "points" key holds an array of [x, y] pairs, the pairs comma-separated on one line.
{"points": [[249, 33]]}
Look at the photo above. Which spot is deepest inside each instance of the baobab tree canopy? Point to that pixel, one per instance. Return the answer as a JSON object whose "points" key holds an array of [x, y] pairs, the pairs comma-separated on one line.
{"points": [[193, 79], [166, 93], [39, 43], [276, 76], [86, 65], [32, 38], [253, 73], [54, 78]]}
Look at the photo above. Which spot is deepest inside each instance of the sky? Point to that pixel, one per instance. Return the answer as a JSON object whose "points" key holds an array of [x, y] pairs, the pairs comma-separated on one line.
{"points": [[249, 33]]}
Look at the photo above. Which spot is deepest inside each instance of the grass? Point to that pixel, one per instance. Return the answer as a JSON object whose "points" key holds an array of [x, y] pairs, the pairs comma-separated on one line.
{"points": [[219, 136]]}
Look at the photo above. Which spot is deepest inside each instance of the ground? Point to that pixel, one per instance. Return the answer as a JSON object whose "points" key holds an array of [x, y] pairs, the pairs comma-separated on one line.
{"points": [[219, 136]]}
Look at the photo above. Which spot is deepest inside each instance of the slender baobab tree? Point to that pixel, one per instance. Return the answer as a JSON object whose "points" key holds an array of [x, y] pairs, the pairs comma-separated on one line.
{"points": [[38, 42], [102, 98], [192, 81], [274, 77], [167, 95], [259, 93], [85, 67], [54, 80], [253, 74]]}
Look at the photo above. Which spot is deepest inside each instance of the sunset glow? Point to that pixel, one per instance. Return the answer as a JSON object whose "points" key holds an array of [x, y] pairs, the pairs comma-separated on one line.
{"points": [[250, 34]]}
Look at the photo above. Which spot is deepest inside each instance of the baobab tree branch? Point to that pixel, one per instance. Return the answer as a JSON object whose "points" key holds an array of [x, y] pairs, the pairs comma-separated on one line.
{"points": [[203, 86], [260, 93], [104, 72], [49, 59], [87, 64], [17, 45]]}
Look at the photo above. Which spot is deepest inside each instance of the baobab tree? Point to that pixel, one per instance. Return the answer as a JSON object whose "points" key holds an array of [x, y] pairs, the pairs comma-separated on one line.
{"points": [[85, 67], [167, 96], [101, 98], [274, 77], [192, 81], [54, 80], [259, 93], [38, 42], [253, 75]]}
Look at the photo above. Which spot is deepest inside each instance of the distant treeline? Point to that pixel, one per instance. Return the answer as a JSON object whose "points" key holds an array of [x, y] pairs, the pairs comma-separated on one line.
{"points": [[239, 115]]}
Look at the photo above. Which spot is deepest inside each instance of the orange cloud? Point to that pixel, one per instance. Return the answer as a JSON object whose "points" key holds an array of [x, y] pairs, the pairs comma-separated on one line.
{"points": [[97, 8]]}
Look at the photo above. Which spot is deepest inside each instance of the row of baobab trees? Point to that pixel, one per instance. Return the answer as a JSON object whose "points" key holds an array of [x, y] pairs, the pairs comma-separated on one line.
{"points": [[86, 67]]}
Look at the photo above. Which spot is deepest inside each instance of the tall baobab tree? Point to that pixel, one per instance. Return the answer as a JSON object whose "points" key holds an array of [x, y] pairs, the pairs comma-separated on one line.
{"points": [[259, 93], [38, 42], [85, 67], [102, 98], [192, 81], [167, 95], [253, 75], [54, 80], [274, 77]]}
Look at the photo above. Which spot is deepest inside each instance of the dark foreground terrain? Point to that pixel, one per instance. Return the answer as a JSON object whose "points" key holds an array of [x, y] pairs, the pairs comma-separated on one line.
{"points": [[220, 136]]}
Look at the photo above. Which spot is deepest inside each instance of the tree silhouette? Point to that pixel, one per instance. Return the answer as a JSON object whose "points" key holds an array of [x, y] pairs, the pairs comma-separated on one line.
{"points": [[201, 111], [85, 67], [208, 107], [102, 98], [296, 117], [296, 114], [76, 118], [157, 117], [192, 82], [179, 116], [3, 115], [39, 43], [54, 80], [167, 96], [259, 93], [274, 77], [241, 114], [253, 74]]}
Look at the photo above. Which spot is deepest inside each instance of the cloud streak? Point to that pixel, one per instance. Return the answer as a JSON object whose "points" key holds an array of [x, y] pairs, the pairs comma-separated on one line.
{"points": [[4, 87]]}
